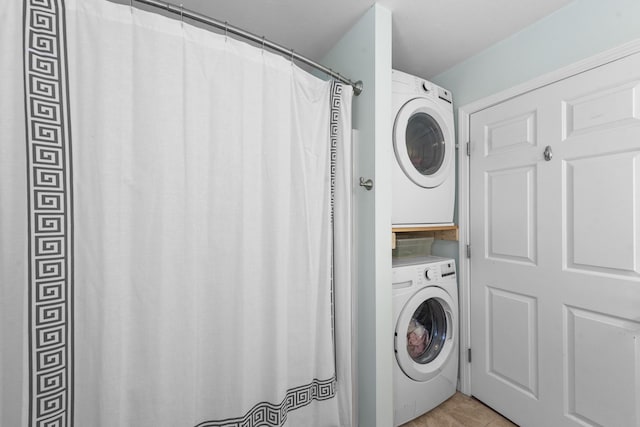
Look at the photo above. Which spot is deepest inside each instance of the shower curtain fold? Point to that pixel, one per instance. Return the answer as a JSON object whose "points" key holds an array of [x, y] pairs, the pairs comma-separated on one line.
{"points": [[175, 226]]}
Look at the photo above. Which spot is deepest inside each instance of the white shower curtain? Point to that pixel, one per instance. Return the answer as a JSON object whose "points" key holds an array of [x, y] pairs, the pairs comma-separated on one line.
{"points": [[174, 226]]}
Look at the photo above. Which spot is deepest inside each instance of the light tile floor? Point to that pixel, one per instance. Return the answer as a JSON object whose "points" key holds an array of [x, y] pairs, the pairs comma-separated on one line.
{"points": [[461, 411]]}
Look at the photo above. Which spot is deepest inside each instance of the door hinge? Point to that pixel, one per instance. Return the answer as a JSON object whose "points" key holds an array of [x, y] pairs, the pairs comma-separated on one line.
{"points": [[468, 251], [469, 354], [468, 148]]}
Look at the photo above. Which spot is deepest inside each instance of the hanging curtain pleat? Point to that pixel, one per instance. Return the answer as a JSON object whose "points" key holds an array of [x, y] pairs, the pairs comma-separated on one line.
{"points": [[14, 220], [169, 255], [344, 304]]}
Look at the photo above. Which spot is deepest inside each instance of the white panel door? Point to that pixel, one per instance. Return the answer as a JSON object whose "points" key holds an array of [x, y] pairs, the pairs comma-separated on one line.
{"points": [[555, 265]]}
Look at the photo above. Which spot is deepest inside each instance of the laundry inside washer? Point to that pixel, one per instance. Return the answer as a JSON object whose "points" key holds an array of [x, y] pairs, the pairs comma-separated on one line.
{"points": [[427, 332]]}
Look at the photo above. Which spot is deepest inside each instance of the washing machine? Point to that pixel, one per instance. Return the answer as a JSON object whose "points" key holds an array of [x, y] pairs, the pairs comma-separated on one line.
{"points": [[424, 149], [425, 312]]}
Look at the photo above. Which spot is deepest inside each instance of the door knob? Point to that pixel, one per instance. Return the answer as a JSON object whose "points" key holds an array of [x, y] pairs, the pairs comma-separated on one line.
{"points": [[548, 153]]}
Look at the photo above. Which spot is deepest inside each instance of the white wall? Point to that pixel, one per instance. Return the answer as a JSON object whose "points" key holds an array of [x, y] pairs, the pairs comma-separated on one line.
{"points": [[574, 32], [364, 53]]}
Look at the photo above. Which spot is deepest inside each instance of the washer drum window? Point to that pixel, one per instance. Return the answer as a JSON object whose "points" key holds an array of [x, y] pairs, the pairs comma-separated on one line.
{"points": [[424, 333], [427, 332]]}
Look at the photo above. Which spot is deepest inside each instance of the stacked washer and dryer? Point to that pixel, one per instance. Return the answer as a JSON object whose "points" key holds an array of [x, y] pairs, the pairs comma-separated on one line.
{"points": [[425, 289]]}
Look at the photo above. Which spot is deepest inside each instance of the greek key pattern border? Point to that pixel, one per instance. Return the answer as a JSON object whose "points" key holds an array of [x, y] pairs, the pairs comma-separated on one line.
{"points": [[334, 127], [50, 210], [275, 415]]}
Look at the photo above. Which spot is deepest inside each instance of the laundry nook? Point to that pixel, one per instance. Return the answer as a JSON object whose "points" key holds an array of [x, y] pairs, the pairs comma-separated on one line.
{"points": [[296, 213]]}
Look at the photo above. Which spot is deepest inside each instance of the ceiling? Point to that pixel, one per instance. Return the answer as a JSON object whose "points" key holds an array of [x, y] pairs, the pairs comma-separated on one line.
{"points": [[429, 36]]}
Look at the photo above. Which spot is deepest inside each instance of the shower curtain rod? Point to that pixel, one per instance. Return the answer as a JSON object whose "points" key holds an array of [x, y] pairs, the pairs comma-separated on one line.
{"points": [[186, 13]]}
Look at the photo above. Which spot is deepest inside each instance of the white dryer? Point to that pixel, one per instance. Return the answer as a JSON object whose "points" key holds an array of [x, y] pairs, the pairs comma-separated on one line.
{"points": [[424, 146], [425, 312]]}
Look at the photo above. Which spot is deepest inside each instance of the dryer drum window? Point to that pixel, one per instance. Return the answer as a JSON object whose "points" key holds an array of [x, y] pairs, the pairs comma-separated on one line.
{"points": [[425, 143], [427, 332]]}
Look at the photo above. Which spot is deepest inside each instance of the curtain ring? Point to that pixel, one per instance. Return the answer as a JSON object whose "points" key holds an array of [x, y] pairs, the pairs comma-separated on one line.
{"points": [[182, 14], [262, 45], [131, 5], [226, 24], [292, 57]]}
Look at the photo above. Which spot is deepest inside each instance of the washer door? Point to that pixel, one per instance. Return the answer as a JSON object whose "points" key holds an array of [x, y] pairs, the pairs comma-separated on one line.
{"points": [[423, 143], [424, 334]]}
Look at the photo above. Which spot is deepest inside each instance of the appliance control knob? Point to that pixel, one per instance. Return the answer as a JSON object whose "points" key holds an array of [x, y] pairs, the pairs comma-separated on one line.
{"points": [[429, 274], [425, 86]]}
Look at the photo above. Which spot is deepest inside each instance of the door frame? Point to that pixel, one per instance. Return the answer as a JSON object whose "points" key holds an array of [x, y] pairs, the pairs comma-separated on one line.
{"points": [[464, 118]]}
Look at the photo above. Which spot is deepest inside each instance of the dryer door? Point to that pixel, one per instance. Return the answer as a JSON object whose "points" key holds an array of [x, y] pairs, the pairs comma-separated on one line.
{"points": [[424, 335], [423, 143]]}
